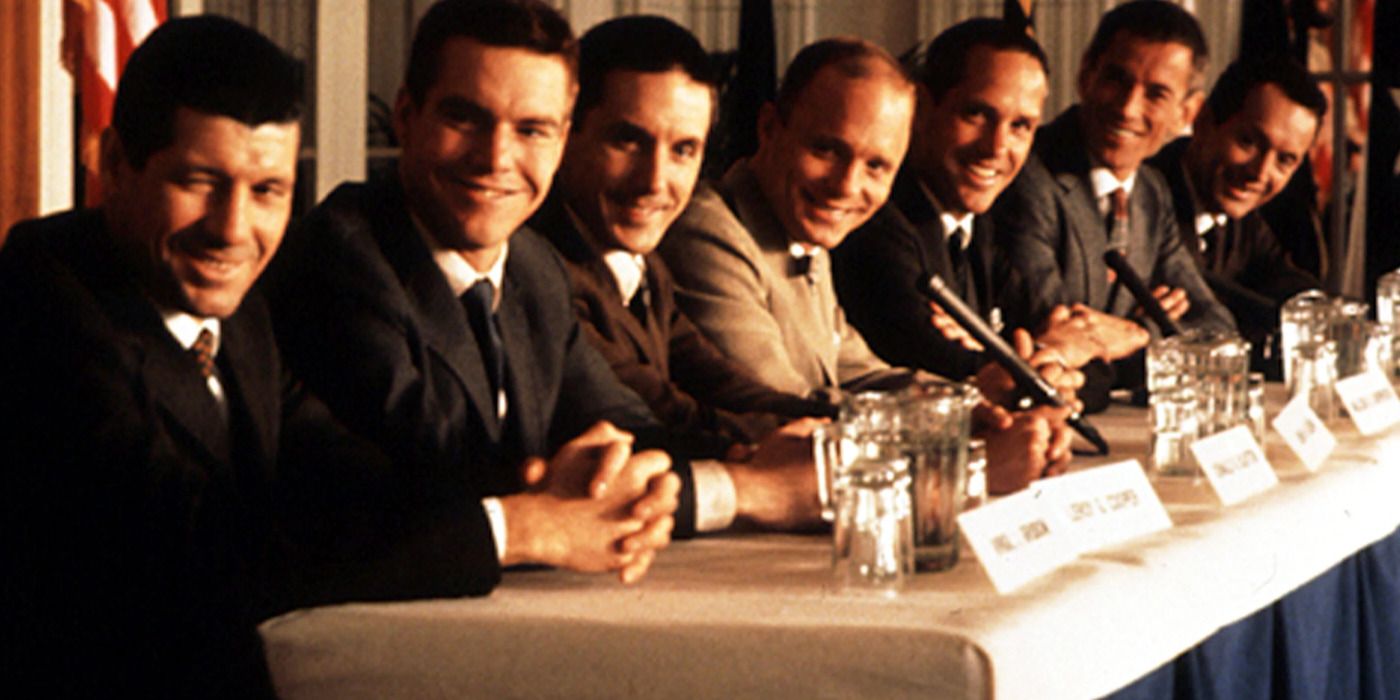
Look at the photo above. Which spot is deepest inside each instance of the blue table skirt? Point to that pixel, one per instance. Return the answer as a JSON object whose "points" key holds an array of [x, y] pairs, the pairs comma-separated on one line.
{"points": [[1338, 636]]}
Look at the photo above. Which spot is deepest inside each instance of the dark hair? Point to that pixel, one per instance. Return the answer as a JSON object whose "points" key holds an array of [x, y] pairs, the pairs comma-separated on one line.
{"points": [[945, 61], [525, 24], [1244, 75], [209, 64], [1150, 20], [643, 43], [852, 56]]}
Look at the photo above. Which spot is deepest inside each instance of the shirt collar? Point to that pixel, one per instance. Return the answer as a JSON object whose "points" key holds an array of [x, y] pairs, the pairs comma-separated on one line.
{"points": [[459, 273], [186, 327], [1105, 182], [957, 228], [628, 269], [1206, 221]]}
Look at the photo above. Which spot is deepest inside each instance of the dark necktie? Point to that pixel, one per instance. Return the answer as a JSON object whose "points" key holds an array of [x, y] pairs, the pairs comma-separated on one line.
{"points": [[202, 350], [478, 300], [639, 304], [957, 259]]}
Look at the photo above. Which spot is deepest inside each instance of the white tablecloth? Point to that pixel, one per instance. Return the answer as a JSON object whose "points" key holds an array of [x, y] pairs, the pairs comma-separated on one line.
{"points": [[755, 615]]}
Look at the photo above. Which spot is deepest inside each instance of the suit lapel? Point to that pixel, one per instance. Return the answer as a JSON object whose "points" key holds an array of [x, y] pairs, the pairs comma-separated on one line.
{"points": [[440, 315], [181, 395], [522, 377], [250, 383], [1062, 150]]}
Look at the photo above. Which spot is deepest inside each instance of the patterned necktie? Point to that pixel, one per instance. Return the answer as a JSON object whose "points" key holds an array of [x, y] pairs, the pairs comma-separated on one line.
{"points": [[203, 353], [478, 301], [1118, 221]]}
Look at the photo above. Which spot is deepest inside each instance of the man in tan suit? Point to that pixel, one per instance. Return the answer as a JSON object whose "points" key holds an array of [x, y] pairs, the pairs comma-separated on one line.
{"points": [[750, 255]]}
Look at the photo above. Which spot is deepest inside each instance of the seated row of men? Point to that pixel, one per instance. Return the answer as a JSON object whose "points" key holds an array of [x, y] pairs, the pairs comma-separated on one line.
{"points": [[426, 388]]}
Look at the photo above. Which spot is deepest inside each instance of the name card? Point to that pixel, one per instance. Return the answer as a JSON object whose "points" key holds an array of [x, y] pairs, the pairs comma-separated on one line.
{"points": [[1107, 505], [1305, 433], [1370, 401], [1018, 538], [1234, 464]]}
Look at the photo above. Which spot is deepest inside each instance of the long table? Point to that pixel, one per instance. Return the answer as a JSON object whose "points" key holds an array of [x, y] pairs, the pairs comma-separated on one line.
{"points": [[757, 615]]}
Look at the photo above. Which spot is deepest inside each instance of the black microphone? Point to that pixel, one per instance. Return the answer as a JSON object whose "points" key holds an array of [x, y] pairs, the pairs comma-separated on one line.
{"points": [[1027, 379], [1113, 257]]}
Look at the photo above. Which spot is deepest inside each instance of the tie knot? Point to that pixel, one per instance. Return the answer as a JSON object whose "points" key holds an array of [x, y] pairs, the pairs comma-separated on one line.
{"points": [[1119, 197], [481, 295], [203, 352]]}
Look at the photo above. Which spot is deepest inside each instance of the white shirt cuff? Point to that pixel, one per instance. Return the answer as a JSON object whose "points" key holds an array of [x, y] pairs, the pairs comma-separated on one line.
{"points": [[497, 517], [715, 501]]}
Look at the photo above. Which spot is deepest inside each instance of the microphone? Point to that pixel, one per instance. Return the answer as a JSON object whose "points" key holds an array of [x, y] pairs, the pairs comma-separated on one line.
{"points": [[1113, 257], [1027, 379]]}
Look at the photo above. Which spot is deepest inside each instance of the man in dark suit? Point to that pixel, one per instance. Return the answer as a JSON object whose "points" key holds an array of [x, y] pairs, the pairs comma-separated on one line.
{"points": [[1138, 86], [169, 487], [434, 323], [1254, 131], [751, 254], [983, 83], [645, 105]]}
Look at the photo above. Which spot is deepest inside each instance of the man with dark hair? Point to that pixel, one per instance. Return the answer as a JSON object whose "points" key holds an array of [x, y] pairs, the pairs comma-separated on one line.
{"points": [[646, 100], [750, 255], [1254, 131], [432, 321], [171, 487], [1138, 87], [984, 84]]}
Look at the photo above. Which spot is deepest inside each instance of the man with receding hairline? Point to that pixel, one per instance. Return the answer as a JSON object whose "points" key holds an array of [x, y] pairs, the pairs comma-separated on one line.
{"points": [[751, 254]]}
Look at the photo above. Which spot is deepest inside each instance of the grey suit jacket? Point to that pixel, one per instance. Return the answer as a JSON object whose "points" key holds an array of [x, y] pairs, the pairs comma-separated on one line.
{"points": [[1050, 229], [738, 282]]}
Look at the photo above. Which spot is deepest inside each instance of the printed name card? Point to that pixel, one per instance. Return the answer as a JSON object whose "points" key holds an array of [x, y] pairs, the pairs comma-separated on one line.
{"points": [[1234, 464], [1107, 505], [1370, 401], [1305, 433], [1018, 538]]}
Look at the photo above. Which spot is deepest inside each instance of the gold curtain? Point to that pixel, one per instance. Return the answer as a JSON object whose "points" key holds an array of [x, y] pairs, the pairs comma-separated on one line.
{"points": [[19, 113]]}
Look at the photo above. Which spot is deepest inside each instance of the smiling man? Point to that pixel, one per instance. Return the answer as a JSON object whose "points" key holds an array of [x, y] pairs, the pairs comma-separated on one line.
{"points": [[750, 255], [983, 84], [171, 487], [647, 98], [1139, 86], [1249, 139]]}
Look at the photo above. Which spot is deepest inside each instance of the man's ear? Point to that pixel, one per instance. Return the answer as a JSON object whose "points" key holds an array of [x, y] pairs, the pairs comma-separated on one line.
{"points": [[111, 158], [1191, 107], [769, 122]]}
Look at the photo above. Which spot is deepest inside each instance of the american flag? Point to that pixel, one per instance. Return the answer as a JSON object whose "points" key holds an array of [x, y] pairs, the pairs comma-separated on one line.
{"points": [[99, 35]]}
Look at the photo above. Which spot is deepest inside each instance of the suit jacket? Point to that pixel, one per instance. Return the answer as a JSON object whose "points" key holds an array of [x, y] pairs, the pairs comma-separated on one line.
{"points": [[1054, 237], [144, 536], [882, 271], [737, 281], [688, 383], [367, 319], [1244, 264]]}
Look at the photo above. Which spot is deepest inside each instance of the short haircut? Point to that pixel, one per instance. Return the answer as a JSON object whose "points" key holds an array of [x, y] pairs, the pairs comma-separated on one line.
{"points": [[208, 64], [853, 57], [1244, 75], [523, 24], [945, 61], [642, 43], [1155, 21]]}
